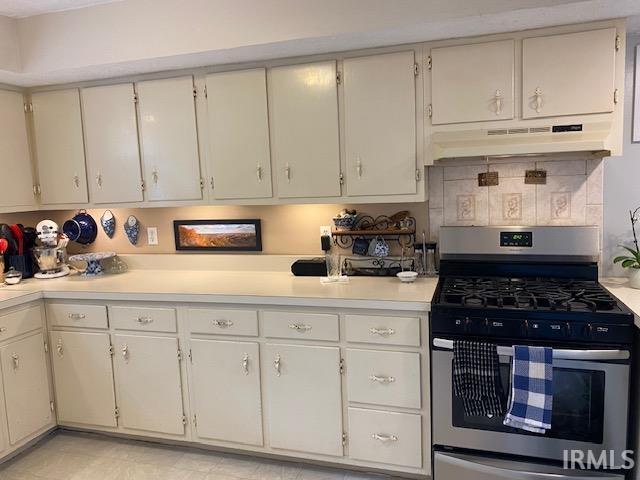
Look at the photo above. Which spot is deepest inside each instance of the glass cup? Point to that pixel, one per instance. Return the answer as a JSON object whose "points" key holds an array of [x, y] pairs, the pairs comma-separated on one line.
{"points": [[333, 266]]}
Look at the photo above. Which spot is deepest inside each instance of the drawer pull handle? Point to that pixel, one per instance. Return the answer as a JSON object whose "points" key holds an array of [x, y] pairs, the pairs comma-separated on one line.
{"points": [[222, 323], [245, 364], [300, 327], [144, 320], [384, 438], [383, 332], [15, 359], [380, 379], [60, 348], [276, 364], [3, 329], [77, 316]]}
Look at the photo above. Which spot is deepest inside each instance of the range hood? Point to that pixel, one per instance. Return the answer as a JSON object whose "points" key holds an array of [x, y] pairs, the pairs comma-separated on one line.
{"points": [[595, 138]]}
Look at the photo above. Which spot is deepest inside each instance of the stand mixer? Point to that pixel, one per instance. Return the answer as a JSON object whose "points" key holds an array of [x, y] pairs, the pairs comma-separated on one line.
{"points": [[52, 254]]}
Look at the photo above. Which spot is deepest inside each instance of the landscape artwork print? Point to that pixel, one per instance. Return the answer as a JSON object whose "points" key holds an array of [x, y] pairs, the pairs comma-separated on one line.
{"points": [[218, 235]]}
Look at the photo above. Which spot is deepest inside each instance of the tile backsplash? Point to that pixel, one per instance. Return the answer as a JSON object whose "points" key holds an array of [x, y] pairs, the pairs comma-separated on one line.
{"points": [[572, 194]]}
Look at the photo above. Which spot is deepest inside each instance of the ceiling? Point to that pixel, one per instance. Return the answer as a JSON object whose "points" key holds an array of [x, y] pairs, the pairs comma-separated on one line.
{"points": [[29, 8]]}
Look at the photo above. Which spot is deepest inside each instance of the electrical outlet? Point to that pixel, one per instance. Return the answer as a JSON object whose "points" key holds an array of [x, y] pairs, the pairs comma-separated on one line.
{"points": [[152, 235], [325, 231]]}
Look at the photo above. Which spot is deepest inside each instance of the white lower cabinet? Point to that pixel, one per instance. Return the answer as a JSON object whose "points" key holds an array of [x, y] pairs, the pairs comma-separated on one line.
{"points": [[148, 383], [304, 398], [226, 390], [26, 387], [83, 378]]}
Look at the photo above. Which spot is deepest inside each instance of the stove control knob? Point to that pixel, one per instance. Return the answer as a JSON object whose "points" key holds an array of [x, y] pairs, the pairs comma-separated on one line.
{"points": [[588, 330], [524, 328], [467, 325]]}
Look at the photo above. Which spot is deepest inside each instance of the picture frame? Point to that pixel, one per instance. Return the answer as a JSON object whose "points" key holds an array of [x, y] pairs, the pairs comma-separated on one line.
{"points": [[218, 235]]}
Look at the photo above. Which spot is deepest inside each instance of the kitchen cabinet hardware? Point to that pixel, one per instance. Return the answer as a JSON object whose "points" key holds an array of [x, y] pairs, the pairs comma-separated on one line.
{"points": [[60, 348], [384, 438], [77, 316], [125, 352], [276, 364], [76, 180], [383, 332], [498, 100], [245, 363], [300, 327], [15, 359], [144, 320], [99, 180], [537, 99], [359, 168], [287, 172], [381, 379], [3, 329], [223, 323], [259, 173]]}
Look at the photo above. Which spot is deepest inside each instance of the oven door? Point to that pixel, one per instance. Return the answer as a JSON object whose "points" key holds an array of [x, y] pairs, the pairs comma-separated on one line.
{"points": [[590, 407], [452, 466]]}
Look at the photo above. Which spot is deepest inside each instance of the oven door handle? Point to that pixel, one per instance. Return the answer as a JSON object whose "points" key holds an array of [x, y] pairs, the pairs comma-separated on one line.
{"points": [[560, 354]]}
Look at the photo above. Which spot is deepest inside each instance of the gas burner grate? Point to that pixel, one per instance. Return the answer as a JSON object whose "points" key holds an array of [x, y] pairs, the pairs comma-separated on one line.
{"points": [[527, 294]]}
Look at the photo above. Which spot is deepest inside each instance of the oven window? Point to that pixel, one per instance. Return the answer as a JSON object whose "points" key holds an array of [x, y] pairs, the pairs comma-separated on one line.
{"points": [[578, 406]]}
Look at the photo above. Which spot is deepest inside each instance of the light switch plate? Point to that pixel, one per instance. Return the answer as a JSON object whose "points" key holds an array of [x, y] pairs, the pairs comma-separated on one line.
{"points": [[152, 235]]}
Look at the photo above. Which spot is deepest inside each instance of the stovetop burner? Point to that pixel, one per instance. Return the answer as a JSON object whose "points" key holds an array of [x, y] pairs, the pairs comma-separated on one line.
{"points": [[527, 294]]}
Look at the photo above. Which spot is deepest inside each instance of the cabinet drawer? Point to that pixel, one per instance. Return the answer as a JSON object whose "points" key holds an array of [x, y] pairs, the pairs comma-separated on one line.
{"points": [[311, 326], [20, 321], [71, 315], [383, 330], [385, 437], [143, 318], [223, 322], [384, 378]]}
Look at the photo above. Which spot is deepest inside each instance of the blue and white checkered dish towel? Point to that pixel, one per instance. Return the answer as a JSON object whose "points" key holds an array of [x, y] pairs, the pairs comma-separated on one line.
{"points": [[531, 396]]}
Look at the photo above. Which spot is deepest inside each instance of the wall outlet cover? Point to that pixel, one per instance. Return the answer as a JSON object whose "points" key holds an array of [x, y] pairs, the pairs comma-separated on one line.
{"points": [[325, 230], [152, 235]]}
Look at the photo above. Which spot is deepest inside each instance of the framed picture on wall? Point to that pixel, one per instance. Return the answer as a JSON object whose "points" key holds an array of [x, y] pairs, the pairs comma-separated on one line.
{"points": [[218, 235], [635, 136]]}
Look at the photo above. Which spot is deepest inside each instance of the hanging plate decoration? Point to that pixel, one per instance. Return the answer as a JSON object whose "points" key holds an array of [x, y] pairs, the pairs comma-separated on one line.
{"points": [[108, 222], [132, 229]]}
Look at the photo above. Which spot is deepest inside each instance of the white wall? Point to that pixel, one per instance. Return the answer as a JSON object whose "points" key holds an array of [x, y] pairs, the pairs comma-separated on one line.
{"points": [[622, 177]]}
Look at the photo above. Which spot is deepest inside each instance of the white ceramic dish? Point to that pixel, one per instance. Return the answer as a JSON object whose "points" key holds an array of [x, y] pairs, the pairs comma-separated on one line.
{"points": [[407, 277]]}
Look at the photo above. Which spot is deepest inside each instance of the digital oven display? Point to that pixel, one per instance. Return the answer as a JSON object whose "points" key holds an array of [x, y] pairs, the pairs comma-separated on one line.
{"points": [[516, 239]]}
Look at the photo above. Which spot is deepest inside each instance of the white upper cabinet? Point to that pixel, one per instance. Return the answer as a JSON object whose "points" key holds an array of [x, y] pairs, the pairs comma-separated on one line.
{"points": [[239, 134], [111, 136], [473, 83], [305, 139], [380, 124], [169, 139], [15, 161], [59, 151], [568, 74]]}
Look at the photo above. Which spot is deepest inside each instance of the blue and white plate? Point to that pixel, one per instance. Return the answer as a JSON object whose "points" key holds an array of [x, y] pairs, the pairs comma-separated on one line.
{"points": [[108, 222], [132, 229]]}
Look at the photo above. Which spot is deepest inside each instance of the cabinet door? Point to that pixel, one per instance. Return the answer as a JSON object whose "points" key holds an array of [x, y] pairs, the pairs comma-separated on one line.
{"points": [[57, 124], [15, 162], [169, 139], [226, 390], [239, 134], [83, 377], [26, 387], [568, 74], [380, 124], [304, 398], [147, 373], [472, 83], [303, 104], [111, 136]]}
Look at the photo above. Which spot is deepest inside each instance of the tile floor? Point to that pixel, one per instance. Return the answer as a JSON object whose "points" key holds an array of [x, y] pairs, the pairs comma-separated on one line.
{"points": [[77, 456]]}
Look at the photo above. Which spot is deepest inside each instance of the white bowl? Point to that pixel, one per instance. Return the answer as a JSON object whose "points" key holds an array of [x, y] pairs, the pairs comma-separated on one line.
{"points": [[407, 277]]}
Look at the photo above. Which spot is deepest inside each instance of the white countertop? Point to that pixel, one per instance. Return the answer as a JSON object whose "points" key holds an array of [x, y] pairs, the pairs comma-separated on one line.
{"points": [[619, 287], [270, 288]]}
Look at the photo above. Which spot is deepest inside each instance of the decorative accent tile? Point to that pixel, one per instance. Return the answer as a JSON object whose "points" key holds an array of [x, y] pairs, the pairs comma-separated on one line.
{"points": [[464, 172], [562, 201], [436, 187], [466, 208], [512, 203], [465, 203], [563, 167], [595, 167]]}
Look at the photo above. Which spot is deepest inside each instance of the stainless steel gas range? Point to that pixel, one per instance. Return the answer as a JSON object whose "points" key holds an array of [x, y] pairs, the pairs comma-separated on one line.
{"points": [[532, 286]]}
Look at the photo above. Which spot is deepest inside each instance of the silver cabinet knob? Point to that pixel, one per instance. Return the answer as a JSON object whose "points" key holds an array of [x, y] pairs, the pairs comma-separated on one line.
{"points": [[77, 316], [144, 320], [381, 379], [222, 323], [383, 332], [300, 327], [384, 438]]}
